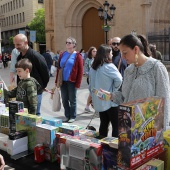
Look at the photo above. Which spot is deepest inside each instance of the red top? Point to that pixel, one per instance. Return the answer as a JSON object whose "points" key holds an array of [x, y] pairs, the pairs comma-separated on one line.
{"points": [[77, 70]]}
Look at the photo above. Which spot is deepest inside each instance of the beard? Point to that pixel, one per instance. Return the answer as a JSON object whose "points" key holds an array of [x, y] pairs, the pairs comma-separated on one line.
{"points": [[115, 53]]}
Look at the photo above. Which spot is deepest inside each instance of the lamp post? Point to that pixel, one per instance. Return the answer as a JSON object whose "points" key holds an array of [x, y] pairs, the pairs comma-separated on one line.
{"points": [[27, 31], [103, 15]]}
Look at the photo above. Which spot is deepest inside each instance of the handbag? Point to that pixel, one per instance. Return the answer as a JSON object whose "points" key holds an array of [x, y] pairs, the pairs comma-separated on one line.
{"points": [[56, 105], [60, 74]]}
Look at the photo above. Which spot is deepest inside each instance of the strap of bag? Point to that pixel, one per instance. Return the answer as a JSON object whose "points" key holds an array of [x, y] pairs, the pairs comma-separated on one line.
{"points": [[67, 60]]}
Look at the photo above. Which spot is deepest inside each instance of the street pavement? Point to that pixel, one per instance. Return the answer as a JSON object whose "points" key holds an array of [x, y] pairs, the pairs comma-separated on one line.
{"points": [[46, 108], [82, 119]]}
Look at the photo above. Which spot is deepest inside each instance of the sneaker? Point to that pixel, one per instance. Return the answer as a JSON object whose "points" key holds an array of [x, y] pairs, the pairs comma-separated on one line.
{"points": [[65, 120], [71, 120], [87, 110]]}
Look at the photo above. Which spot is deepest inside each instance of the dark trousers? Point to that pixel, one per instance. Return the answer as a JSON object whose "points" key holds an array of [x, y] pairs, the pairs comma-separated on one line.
{"points": [[69, 99], [110, 115]]}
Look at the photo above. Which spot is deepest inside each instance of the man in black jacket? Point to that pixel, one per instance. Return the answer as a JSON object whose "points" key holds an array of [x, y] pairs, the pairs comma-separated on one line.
{"points": [[117, 60], [39, 66], [48, 60]]}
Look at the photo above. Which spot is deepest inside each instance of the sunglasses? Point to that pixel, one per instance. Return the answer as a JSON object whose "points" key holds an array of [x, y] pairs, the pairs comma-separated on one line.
{"points": [[114, 43], [68, 42]]}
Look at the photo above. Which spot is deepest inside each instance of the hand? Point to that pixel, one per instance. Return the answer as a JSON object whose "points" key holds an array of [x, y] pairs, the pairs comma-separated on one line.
{"points": [[107, 93], [2, 162]]}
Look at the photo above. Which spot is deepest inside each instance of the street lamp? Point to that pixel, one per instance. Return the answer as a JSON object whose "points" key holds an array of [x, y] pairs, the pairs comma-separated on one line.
{"points": [[103, 15], [27, 31]]}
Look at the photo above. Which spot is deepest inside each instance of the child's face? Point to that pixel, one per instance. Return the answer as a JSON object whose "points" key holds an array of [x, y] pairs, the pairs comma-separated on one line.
{"points": [[22, 74]]}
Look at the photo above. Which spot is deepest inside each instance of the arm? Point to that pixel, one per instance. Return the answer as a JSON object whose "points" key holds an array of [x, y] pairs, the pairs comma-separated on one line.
{"points": [[32, 98], [79, 71], [42, 69], [2, 162], [14, 56], [163, 89], [10, 94], [86, 66]]}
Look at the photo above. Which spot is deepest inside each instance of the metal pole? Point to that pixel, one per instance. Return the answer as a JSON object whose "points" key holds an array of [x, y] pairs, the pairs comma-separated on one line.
{"points": [[106, 31]]}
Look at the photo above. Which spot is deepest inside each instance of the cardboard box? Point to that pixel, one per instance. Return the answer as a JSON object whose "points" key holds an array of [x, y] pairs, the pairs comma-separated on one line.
{"points": [[3, 141], [4, 123], [1, 92], [79, 154], [2, 108], [46, 134], [111, 141], [28, 122], [17, 146], [154, 164], [140, 130], [72, 130], [52, 121], [14, 107], [167, 146], [90, 133]]}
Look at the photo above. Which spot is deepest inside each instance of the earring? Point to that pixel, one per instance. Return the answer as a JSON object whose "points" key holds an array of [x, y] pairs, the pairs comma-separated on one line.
{"points": [[136, 59]]}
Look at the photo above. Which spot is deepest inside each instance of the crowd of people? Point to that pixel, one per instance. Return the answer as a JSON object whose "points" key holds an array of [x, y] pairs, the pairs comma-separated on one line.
{"points": [[125, 69]]}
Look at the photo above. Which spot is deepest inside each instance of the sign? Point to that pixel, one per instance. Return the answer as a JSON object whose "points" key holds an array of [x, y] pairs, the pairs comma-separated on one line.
{"points": [[22, 32], [33, 36]]}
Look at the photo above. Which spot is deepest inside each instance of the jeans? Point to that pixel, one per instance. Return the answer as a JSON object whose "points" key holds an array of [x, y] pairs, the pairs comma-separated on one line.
{"points": [[110, 115], [69, 99], [39, 97]]}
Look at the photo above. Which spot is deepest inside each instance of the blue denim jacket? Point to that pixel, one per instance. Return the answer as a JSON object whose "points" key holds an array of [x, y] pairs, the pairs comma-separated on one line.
{"points": [[106, 77]]}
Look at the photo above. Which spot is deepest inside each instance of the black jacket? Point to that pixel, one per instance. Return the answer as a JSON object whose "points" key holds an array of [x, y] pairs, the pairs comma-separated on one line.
{"points": [[39, 70]]}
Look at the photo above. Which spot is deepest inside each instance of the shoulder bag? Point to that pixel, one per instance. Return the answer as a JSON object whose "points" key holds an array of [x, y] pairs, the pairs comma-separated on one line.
{"points": [[60, 74]]}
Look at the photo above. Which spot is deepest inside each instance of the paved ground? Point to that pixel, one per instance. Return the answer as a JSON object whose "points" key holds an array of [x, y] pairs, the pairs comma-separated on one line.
{"points": [[46, 109]]}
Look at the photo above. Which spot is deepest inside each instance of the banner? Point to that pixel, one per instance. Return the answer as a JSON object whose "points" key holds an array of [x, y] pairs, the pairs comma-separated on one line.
{"points": [[22, 32], [33, 36]]}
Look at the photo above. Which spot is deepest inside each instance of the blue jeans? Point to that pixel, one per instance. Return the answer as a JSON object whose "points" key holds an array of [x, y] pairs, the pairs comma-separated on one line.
{"points": [[39, 97], [69, 99]]}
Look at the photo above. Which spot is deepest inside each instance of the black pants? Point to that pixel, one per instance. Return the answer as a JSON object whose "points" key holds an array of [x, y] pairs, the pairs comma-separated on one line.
{"points": [[110, 115]]}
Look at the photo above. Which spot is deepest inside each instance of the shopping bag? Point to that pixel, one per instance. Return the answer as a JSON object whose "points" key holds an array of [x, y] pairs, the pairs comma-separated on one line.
{"points": [[56, 106], [60, 78], [53, 69]]}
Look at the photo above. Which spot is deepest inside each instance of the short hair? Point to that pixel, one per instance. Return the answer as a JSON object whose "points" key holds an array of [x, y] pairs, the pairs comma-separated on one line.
{"points": [[24, 63], [73, 40]]}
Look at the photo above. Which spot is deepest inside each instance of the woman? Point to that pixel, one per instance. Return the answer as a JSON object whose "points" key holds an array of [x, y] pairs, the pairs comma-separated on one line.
{"points": [[87, 66], [72, 76], [105, 75], [145, 76]]}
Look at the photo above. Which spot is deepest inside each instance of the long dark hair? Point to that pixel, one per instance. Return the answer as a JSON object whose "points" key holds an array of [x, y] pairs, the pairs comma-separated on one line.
{"points": [[132, 40], [102, 56], [89, 54]]}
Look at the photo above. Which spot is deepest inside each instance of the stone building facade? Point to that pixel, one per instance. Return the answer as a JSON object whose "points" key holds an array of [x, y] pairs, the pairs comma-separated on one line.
{"points": [[16, 15], [79, 18]]}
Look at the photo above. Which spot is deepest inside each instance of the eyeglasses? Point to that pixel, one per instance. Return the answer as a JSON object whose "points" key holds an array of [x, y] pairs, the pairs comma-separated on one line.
{"points": [[114, 43], [68, 42], [94, 51]]}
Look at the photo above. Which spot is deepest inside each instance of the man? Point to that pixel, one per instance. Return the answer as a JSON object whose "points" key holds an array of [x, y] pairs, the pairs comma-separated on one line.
{"points": [[158, 53], [48, 60], [15, 54], [117, 60], [39, 66]]}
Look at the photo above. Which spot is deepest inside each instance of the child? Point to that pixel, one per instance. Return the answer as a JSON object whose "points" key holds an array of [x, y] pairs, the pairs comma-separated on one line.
{"points": [[27, 88]]}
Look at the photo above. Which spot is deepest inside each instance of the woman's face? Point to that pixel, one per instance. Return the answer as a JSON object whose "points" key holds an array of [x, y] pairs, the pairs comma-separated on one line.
{"points": [[93, 52], [128, 54], [69, 44], [110, 55]]}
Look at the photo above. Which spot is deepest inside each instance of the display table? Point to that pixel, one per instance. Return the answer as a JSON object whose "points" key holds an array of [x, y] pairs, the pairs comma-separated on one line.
{"points": [[28, 163]]}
